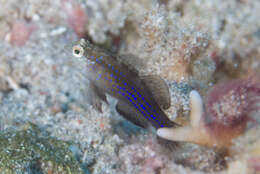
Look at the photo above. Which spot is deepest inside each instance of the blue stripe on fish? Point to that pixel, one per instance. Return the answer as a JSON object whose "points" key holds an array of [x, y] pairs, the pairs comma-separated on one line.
{"points": [[129, 96]]}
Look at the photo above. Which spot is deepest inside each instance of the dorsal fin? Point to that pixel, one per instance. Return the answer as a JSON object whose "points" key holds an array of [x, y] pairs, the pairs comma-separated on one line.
{"points": [[159, 89], [131, 61]]}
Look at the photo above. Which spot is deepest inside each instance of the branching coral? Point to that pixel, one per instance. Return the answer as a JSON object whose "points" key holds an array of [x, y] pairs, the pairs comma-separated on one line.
{"points": [[104, 17], [193, 132], [234, 26], [228, 107], [170, 43]]}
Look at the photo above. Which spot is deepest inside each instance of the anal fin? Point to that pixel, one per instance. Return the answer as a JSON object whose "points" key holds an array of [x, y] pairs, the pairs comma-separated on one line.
{"points": [[131, 114]]}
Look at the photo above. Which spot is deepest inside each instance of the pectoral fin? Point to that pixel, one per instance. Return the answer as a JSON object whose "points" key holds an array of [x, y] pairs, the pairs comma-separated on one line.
{"points": [[95, 96], [131, 114], [159, 89]]}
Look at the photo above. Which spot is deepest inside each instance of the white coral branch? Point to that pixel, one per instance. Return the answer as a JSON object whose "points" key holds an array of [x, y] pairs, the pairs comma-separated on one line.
{"points": [[196, 106], [193, 132]]}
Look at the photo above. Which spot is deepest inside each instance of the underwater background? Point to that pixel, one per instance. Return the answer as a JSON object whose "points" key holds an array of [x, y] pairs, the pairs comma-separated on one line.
{"points": [[208, 46]]}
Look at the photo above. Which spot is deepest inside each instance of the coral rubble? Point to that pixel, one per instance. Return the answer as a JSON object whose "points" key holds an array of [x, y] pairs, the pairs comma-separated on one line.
{"points": [[193, 45]]}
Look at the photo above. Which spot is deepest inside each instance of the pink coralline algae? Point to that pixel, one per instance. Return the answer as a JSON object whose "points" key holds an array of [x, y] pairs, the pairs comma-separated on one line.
{"points": [[254, 163], [229, 106], [146, 157], [153, 164], [20, 33], [76, 17]]}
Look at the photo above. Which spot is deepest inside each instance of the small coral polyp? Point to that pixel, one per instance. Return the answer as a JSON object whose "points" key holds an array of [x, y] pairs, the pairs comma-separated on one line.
{"points": [[228, 109]]}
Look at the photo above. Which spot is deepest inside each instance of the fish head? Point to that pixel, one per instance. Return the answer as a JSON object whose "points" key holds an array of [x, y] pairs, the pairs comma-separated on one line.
{"points": [[80, 48], [79, 53]]}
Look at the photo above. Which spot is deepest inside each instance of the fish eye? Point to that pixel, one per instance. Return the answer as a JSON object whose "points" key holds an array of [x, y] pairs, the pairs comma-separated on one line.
{"points": [[77, 51]]}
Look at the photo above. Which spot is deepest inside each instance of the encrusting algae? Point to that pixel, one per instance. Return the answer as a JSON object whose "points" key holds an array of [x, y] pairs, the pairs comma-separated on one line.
{"points": [[29, 150]]}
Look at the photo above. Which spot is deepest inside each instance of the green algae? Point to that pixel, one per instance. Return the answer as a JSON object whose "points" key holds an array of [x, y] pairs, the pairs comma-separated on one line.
{"points": [[30, 150]]}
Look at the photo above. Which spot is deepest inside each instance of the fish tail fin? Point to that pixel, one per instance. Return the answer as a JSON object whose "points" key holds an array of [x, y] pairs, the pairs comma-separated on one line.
{"points": [[170, 145], [170, 124]]}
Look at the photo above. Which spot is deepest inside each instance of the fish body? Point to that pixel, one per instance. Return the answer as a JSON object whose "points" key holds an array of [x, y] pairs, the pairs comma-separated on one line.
{"points": [[108, 75]]}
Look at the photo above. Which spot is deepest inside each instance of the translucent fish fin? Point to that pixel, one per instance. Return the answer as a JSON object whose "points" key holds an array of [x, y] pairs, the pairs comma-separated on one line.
{"points": [[171, 145], [95, 96], [159, 89], [131, 114], [131, 61]]}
